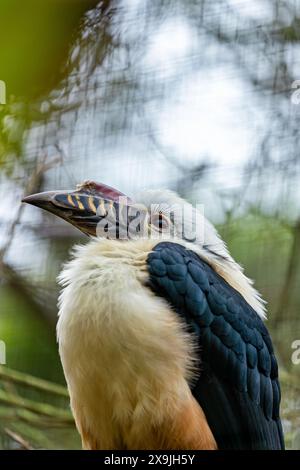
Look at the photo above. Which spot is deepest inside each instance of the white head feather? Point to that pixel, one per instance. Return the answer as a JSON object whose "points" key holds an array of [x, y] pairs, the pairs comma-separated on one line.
{"points": [[208, 244]]}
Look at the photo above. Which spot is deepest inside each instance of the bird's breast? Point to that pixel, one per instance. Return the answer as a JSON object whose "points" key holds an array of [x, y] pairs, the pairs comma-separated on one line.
{"points": [[126, 356]]}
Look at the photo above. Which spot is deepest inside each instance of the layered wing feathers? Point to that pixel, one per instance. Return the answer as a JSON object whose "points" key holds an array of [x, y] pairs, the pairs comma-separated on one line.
{"points": [[238, 387]]}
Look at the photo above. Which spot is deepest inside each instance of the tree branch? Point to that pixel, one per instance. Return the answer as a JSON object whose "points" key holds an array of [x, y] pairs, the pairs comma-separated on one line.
{"points": [[16, 377]]}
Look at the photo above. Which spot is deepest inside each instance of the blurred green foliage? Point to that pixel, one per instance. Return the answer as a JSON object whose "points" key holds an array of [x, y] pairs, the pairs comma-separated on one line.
{"points": [[35, 38], [291, 33], [31, 346]]}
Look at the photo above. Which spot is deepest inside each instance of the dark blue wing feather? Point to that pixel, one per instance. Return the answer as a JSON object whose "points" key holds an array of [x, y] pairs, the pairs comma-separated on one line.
{"points": [[238, 387]]}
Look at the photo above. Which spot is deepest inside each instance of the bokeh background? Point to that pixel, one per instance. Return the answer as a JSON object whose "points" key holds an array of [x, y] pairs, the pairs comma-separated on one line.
{"points": [[192, 95]]}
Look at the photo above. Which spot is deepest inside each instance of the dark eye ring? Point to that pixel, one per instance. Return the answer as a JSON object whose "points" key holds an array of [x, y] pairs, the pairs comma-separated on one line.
{"points": [[160, 221]]}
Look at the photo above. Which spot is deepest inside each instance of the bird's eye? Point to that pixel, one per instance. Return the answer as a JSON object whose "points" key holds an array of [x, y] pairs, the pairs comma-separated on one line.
{"points": [[160, 221]]}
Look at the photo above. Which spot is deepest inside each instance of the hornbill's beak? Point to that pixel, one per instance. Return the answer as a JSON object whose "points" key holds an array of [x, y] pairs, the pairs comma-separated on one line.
{"points": [[90, 207]]}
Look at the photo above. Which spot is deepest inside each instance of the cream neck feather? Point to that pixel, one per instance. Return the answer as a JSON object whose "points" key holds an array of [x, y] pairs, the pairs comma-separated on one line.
{"points": [[135, 252]]}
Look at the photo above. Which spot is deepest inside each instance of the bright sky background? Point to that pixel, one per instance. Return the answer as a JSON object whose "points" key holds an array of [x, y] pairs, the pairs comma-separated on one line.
{"points": [[207, 112]]}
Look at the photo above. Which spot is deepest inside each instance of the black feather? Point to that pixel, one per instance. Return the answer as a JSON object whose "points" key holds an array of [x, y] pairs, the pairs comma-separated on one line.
{"points": [[238, 387]]}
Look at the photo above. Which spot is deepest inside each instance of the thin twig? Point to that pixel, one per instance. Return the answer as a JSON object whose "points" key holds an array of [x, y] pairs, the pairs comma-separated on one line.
{"points": [[19, 439], [13, 376], [32, 186], [39, 408]]}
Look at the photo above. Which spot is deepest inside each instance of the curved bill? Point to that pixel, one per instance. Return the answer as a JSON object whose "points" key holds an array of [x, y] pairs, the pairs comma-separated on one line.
{"points": [[94, 208]]}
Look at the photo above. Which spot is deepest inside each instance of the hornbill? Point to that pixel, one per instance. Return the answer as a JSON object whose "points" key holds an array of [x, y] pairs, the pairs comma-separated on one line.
{"points": [[161, 335]]}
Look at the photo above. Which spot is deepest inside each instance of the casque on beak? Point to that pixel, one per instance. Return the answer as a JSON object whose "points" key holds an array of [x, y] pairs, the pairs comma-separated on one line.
{"points": [[86, 207]]}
